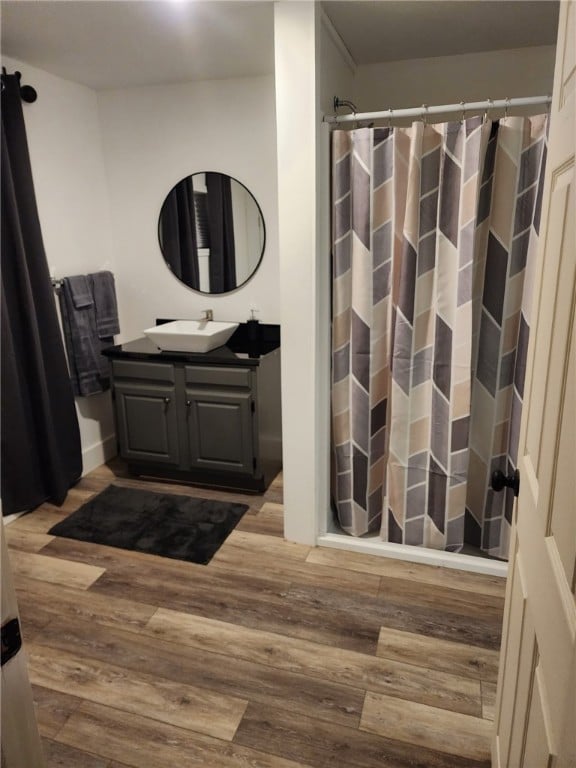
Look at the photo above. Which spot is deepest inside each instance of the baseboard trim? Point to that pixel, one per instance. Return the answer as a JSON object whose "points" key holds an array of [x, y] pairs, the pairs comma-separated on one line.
{"points": [[414, 554], [98, 453], [496, 762], [7, 519]]}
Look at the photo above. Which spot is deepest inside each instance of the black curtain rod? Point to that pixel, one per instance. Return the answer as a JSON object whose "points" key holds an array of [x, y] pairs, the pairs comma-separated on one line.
{"points": [[27, 93]]}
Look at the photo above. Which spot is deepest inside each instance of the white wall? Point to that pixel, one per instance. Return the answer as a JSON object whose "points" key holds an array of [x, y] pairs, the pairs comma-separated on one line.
{"points": [[311, 68], [304, 452], [153, 137], [67, 166], [336, 67], [451, 79]]}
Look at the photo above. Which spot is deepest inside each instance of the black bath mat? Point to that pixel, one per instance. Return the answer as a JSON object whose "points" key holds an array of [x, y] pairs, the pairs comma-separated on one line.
{"points": [[157, 523]]}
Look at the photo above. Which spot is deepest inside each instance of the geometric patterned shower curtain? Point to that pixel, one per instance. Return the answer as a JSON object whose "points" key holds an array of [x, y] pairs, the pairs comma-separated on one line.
{"points": [[424, 269], [509, 223], [363, 243]]}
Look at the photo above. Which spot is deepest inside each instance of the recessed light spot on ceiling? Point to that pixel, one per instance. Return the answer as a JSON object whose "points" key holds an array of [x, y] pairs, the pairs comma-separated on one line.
{"points": [[131, 43]]}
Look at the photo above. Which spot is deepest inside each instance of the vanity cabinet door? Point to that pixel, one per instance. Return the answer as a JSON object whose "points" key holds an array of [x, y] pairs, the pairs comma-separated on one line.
{"points": [[147, 422], [220, 430]]}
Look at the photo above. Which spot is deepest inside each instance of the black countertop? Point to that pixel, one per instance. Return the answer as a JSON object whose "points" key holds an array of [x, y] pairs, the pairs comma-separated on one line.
{"points": [[247, 345]]}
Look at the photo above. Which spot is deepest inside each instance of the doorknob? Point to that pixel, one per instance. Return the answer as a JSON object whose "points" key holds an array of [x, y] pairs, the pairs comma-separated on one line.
{"points": [[500, 481]]}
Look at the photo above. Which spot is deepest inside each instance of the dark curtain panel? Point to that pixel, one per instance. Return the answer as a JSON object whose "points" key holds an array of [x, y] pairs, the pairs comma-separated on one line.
{"points": [[178, 233], [221, 226], [41, 454]]}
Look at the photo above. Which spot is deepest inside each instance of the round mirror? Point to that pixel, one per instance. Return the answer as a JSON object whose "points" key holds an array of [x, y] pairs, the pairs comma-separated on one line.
{"points": [[211, 232]]}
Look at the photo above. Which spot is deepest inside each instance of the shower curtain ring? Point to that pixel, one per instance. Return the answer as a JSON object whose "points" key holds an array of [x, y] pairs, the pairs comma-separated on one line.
{"points": [[425, 114], [506, 105], [488, 108], [390, 118], [463, 115]]}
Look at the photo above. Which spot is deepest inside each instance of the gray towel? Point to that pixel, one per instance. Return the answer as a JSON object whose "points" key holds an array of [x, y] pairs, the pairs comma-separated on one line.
{"points": [[106, 308], [80, 291], [81, 336]]}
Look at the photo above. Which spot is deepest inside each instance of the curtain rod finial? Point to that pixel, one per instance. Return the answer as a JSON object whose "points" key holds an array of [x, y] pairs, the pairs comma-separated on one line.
{"points": [[28, 94]]}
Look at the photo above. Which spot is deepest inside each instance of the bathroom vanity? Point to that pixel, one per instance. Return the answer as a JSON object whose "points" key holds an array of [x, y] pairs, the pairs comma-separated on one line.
{"points": [[210, 418]]}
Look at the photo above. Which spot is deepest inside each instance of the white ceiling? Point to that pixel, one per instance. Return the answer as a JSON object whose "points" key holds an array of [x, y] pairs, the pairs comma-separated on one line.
{"points": [[117, 43], [418, 29]]}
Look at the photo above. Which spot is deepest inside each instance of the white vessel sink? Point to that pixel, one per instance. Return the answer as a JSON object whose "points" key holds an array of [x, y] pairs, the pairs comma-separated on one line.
{"points": [[191, 335]]}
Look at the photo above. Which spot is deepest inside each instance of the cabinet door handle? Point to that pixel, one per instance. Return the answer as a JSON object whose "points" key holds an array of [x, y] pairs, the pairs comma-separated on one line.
{"points": [[188, 403], [166, 400]]}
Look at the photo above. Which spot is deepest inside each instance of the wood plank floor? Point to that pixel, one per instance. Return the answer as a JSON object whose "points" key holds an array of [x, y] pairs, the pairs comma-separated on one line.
{"points": [[275, 655]]}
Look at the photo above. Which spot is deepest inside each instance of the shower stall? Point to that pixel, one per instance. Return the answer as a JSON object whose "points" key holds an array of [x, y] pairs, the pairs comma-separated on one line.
{"points": [[434, 234]]}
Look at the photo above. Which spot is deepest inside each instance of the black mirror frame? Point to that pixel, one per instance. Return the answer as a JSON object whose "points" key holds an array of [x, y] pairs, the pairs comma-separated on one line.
{"points": [[259, 262]]}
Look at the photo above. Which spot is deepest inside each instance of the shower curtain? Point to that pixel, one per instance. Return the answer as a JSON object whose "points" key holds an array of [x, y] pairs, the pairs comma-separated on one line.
{"points": [[222, 265], [434, 230], [177, 233], [40, 438]]}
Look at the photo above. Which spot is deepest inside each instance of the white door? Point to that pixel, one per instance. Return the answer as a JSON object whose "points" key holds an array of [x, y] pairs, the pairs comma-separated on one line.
{"points": [[20, 738], [535, 723]]}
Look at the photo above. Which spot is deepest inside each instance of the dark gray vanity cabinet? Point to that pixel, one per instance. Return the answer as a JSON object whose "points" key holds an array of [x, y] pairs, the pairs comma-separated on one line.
{"points": [[220, 410], [220, 431], [190, 418], [146, 412]]}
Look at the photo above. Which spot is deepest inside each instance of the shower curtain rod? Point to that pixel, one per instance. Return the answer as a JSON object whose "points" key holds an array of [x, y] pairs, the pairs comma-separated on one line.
{"points": [[426, 111]]}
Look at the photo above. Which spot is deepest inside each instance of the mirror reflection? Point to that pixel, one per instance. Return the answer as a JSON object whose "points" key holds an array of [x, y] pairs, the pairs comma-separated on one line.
{"points": [[211, 232]]}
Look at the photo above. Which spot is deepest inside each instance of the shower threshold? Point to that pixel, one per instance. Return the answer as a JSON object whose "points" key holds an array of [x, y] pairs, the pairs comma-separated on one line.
{"points": [[373, 545]]}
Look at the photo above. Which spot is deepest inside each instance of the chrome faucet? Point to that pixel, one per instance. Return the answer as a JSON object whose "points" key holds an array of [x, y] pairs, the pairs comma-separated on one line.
{"points": [[208, 315]]}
